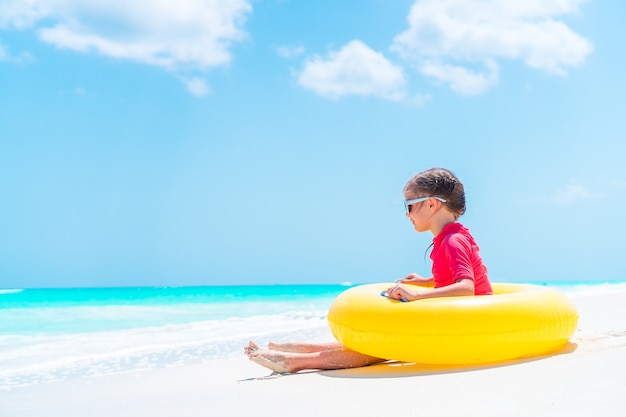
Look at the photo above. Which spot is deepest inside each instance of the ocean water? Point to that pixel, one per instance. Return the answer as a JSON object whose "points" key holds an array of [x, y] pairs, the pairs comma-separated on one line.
{"points": [[56, 334]]}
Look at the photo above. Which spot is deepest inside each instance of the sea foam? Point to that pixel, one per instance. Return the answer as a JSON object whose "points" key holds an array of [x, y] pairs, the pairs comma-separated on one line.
{"points": [[38, 358]]}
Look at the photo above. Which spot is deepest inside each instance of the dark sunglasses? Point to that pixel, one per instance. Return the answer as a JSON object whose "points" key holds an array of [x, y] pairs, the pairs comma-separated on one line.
{"points": [[409, 203]]}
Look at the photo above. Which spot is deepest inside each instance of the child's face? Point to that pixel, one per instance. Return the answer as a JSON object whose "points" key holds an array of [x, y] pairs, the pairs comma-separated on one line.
{"points": [[419, 214]]}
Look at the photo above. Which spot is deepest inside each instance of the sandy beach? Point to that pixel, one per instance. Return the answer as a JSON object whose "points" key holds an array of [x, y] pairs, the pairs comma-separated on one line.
{"points": [[587, 378]]}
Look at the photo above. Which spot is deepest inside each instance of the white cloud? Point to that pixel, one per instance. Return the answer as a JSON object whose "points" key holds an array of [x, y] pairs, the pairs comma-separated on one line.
{"points": [[7, 56], [355, 69], [21, 14], [446, 36], [462, 79], [173, 34], [196, 86], [290, 51], [573, 193]]}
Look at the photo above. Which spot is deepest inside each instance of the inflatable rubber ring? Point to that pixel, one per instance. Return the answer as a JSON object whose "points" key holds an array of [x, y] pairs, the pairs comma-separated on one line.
{"points": [[517, 321]]}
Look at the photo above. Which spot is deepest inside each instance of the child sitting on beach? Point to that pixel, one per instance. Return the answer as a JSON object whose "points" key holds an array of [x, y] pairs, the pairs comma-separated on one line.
{"points": [[434, 200]]}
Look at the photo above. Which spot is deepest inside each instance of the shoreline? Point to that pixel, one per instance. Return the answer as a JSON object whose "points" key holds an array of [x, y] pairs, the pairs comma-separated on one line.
{"points": [[586, 378]]}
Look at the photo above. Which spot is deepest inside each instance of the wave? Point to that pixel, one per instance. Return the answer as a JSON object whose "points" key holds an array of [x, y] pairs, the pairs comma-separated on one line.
{"points": [[11, 291], [39, 358]]}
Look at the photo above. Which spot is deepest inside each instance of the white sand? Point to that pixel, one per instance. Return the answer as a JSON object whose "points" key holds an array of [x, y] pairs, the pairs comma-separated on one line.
{"points": [[586, 379]]}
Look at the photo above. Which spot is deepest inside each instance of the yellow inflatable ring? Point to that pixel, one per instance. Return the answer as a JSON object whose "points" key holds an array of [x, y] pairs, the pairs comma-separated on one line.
{"points": [[518, 321]]}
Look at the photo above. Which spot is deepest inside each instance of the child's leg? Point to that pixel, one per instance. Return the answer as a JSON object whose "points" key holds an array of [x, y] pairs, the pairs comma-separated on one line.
{"points": [[283, 362], [295, 347], [298, 347]]}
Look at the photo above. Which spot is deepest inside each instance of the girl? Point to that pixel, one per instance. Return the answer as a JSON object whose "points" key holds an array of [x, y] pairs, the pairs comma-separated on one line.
{"points": [[434, 200]]}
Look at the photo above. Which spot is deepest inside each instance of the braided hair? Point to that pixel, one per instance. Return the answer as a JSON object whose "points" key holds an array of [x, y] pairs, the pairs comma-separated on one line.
{"points": [[439, 182]]}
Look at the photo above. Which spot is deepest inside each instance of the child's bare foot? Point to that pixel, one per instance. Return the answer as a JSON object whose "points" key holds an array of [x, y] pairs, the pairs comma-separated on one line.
{"points": [[251, 348], [275, 361]]}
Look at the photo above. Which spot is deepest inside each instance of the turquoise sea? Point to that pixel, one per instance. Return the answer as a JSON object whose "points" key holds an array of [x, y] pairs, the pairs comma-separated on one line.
{"points": [[55, 334]]}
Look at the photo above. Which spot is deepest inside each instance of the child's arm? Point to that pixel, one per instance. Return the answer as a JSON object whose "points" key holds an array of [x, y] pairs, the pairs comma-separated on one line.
{"points": [[462, 287], [417, 279]]}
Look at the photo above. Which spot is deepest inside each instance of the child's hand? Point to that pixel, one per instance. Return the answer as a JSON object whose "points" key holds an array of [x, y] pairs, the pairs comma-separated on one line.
{"points": [[413, 279], [399, 292]]}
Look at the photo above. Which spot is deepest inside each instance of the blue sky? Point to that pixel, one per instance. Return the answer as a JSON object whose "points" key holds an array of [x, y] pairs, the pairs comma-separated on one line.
{"points": [[240, 142]]}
